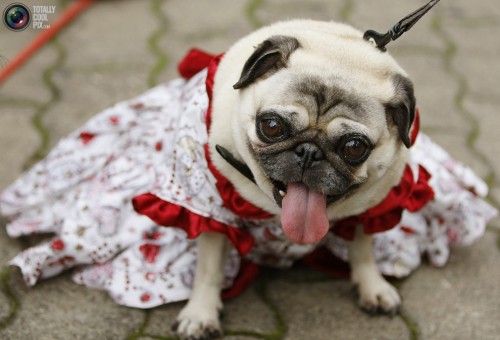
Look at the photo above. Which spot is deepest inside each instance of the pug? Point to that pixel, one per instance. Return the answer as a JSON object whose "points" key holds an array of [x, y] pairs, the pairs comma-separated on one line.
{"points": [[319, 118]]}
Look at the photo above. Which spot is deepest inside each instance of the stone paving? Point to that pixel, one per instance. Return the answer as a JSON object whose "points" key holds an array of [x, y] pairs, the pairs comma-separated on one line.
{"points": [[118, 49]]}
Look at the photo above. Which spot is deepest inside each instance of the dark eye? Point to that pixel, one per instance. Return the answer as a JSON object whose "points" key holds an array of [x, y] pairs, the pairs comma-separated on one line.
{"points": [[271, 129], [355, 150]]}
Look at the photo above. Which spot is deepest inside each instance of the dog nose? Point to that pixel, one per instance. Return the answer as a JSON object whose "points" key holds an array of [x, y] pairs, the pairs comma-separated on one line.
{"points": [[308, 154]]}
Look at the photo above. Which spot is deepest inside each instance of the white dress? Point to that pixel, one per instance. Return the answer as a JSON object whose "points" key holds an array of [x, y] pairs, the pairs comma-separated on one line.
{"points": [[82, 191]]}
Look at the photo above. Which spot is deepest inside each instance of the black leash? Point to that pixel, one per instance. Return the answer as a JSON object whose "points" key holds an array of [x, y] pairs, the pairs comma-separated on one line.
{"points": [[381, 39], [240, 166]]}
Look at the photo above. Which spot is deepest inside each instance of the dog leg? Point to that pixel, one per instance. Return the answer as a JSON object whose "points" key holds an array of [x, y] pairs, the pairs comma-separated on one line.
{"points": [[375, 293], [199, 319]]}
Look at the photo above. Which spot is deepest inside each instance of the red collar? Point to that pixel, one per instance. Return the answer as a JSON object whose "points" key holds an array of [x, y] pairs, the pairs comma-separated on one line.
{"points": [[408, 194]]}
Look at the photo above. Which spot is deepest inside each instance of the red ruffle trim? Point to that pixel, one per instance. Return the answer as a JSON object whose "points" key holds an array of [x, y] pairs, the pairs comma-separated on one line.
{"points": [[249, 271], [409, 195], [231, 198], [415, 127], [323, 260], [171, 215], [193, 62], [209, 86]]}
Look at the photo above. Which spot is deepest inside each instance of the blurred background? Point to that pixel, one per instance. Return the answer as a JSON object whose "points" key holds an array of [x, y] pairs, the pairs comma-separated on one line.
{"points": [[117, 49]]}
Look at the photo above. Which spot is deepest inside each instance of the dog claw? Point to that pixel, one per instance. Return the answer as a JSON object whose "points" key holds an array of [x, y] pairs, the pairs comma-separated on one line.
{"points": [[372, 310], [379, 298], [394, 311], [377, 310], [214, 334], [208, 334], [193, 327]]}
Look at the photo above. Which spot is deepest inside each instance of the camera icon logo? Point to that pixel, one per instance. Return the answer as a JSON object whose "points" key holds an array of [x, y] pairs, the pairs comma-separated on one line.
{"points": [[16, 16]]}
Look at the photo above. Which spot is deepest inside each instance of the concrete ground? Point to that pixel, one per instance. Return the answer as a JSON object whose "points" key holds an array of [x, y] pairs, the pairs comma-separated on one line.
{"points": [[118, 49]]}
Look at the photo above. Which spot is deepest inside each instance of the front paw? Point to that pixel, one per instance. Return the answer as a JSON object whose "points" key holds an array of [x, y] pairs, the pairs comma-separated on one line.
{"points": [[197, 323], [378, 296]]}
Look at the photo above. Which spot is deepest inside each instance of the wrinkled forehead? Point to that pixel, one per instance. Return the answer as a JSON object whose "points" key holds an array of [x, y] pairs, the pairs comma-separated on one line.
{"points": [[318, 98], [320, 80]]}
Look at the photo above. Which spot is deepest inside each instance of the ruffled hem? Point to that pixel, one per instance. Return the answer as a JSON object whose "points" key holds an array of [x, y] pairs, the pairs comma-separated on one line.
{"points": [[157, 269], [411, 195], [168, 214]]}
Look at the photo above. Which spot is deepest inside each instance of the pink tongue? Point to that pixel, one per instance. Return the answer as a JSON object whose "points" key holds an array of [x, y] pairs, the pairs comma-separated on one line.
{"points": [[303, 214]]}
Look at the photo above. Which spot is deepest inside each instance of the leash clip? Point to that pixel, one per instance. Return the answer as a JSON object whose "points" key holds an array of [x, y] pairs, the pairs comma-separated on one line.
{"points": [[382, 39]]}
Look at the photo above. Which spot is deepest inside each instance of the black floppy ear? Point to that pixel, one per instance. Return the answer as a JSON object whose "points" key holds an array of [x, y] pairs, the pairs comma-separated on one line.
{"points": [[401, 109], [269, 56]]}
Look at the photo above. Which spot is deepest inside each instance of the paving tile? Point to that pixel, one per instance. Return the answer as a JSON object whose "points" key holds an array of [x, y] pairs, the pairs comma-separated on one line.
{"points": [[97, 36], [80, 103], [441, 119], [495, 192], [476, 50], [455, 145], [487, 142], [224, 15], [476, 61], [18, 140], [4, 307], [27, 81], [96, 77], [60, 309], [248, 312], [245, 312], [275, 10], [14, 152], [223, 27], [327, 310], [161, 319], [8, 249], [434, 90], [475, 46], [461, 300], [464, 11], [111, 75], [472, 51]]}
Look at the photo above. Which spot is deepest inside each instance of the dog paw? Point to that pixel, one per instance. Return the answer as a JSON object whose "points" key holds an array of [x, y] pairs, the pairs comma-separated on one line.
{"points": [[379, 297], [198, 324]]}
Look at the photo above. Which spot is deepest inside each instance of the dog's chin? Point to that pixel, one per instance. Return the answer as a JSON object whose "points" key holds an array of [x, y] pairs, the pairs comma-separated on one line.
{"points": [[280, 191]]}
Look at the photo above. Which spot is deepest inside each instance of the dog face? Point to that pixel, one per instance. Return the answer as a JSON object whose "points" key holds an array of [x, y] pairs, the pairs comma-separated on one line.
{"points": [[323, 131]]}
